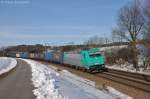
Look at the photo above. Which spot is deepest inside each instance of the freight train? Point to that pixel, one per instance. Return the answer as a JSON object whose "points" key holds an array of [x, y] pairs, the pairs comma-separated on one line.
{"points": [[89, 60]]}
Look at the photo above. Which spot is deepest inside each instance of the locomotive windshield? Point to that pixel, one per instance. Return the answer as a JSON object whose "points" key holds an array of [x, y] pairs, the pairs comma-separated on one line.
{"points": [[95, 54]]}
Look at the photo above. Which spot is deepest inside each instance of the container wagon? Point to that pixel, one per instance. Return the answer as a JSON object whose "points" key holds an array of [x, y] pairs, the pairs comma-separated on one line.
{"points": [[39, 56], [12, 54], [32, 55], [58, 57], [24, 54], [48, 56]]}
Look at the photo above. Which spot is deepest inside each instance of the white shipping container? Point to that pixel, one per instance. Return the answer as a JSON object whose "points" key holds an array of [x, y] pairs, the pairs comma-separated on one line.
{"points": [[17, 55]]}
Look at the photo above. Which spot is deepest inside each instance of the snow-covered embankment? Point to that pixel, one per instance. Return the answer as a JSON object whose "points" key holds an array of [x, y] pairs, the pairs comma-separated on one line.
{"points": [[6, 64], [52, 84], [43, 81]]}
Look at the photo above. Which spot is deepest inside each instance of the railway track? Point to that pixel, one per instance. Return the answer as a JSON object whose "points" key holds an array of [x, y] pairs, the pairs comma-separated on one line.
{"points": [[131, 74], [138, 81], [135, 80]]}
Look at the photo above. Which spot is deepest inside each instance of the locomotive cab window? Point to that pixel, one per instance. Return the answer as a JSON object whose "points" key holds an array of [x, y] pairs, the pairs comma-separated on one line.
{"points": [[95, 55]]}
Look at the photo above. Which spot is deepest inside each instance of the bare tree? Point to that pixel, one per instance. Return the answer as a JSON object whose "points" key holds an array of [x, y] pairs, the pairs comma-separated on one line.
{"points": [[95, 40], [146, 36], [106, 40], [130, 25], [147, 18], [116, 37], [101, 40]]}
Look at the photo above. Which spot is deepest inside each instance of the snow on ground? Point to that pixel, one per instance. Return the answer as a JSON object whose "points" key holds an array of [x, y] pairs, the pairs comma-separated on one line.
{"points": [[50, 83], [129, 67], [6, 64], [110, 48], [89, 83]]}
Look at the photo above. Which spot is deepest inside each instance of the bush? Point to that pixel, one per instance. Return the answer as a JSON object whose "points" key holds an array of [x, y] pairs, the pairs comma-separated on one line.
{"points": [[119, 56]]}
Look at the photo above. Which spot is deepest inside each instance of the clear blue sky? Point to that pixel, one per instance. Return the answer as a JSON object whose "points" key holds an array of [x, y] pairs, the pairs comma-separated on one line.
{"points": [[56, 21]]}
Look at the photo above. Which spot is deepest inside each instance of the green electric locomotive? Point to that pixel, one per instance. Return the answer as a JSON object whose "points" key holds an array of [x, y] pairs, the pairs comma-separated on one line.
{"points": [[90, 60]]}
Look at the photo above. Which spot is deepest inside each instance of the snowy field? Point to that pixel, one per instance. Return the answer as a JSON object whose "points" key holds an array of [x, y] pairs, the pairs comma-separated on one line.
{"points": [[111, 48], [6, 64], [51, 83]]}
